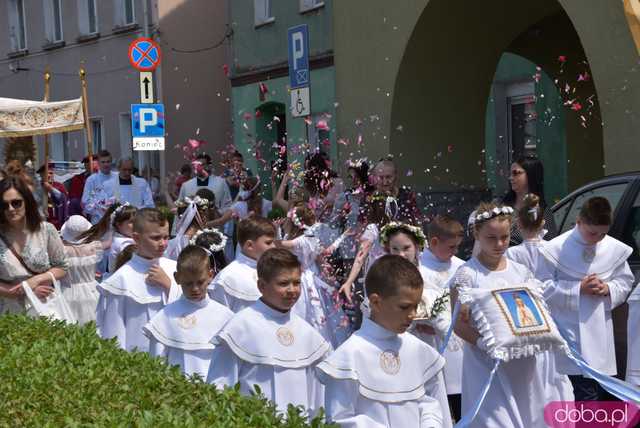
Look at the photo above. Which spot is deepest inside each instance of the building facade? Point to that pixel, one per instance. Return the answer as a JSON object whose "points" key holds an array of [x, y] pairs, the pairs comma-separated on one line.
{"points": [[63, 35], [263, 126], [459, 89]]}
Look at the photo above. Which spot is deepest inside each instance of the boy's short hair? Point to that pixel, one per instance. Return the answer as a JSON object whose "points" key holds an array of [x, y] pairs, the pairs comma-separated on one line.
{"points": [[596, 211], [193, 259], [148, 215], [275, 260], [252, 228], [443, 227], [104, 154], [389, 273]]}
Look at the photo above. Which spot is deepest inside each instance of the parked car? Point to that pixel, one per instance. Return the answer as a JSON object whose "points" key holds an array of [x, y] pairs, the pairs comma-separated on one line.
{"points": [[623, 193]]}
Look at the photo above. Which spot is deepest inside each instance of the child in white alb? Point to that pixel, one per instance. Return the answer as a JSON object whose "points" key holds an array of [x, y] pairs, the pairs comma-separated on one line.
{"points": [[383, 376], [236, 286], [586, 276], [268, 345], [182, 331], [517, 397], [316, 304], [131, 296]]}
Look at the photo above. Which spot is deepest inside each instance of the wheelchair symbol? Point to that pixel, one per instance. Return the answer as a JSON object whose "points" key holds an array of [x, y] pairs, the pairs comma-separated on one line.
{"points": [[299, 104]]}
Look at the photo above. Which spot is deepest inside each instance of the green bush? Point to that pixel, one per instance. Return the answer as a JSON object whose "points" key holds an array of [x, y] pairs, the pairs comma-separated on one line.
{"points": [[52, 374]]}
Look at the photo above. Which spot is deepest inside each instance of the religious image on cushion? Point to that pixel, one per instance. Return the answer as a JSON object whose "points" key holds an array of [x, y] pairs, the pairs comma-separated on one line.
{"points": [[513, 321]]}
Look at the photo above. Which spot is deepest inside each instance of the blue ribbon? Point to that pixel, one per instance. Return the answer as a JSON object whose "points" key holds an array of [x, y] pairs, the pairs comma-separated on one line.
{"points": [[470, 416], [623, 390], [447, 337]]}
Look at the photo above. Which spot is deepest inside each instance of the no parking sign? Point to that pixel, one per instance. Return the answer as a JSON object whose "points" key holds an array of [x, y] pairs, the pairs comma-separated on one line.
{"points": [[144, 54]]}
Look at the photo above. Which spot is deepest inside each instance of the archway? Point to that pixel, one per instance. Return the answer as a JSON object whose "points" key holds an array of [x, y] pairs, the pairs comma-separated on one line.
{"points": [[444, 81]]}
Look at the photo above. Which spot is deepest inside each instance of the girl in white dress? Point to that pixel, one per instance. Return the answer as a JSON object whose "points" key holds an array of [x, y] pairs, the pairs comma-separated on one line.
{"points": [[380, 209], [79, 286], [116, 227], [530, 218], [317, 304], [516, 397], [433, 317]]}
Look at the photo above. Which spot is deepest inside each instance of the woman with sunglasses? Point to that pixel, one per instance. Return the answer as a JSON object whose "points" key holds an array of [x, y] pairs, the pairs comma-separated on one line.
{"points": [[30, 248], [527, 176]]}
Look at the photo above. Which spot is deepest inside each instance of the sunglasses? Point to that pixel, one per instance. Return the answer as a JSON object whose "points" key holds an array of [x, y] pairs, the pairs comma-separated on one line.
{"points": [[15, 204]]}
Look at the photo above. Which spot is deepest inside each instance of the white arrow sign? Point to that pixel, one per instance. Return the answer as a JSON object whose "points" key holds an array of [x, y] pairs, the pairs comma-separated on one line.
{"points": [[146, 87]]}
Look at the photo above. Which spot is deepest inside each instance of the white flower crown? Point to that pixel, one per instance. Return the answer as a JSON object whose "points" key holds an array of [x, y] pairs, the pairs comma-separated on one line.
{"points": [[487, 215], [213, 248], [356, 163], [118, 211], [394, 225]]}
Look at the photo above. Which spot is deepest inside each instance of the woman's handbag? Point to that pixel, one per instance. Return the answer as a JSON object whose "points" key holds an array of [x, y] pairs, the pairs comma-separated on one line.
{"points": [[55, 306]]}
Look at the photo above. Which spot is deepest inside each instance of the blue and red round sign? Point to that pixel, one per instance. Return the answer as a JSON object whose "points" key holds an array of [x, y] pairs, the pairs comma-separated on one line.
{"points": [[144, 54]]}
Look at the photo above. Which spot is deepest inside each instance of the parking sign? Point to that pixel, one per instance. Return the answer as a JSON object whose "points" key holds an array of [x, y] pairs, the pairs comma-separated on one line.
{"points": [[298, 41], [147, 126]]}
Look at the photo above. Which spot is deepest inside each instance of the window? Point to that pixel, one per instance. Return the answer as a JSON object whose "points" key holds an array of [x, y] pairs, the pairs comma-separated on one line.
{"points": [[97, 133], [87, 17], [52, 20], [59, 147], [307, 5], [17, 26], [262, 12], [612, 192], [124, 13]]}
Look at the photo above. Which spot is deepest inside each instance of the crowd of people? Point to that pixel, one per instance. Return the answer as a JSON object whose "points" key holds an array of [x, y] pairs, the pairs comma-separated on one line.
{"points": [[330, 295]]}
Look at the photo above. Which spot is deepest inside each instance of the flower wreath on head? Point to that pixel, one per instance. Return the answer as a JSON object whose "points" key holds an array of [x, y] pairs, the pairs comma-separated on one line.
{"points": [[356, 163], [390, 228], [297, 221], [118, 211], [213, 248], [200, 202], [488, 215]]}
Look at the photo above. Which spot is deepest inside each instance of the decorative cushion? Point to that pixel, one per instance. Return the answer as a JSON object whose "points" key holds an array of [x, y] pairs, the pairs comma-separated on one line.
{"points": [[513, 322]]}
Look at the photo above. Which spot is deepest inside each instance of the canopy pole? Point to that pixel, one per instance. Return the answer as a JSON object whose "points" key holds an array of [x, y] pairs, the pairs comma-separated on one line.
{"points": [[87, 122], [47, 82]]}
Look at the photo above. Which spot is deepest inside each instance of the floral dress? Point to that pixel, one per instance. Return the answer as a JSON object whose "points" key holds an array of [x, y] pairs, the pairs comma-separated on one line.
{"points": [[42, 251]]}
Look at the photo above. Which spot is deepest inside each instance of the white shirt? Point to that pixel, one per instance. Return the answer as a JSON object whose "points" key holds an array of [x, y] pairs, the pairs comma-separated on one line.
{"points": [[276, 351], [182, 332], [236, 286], [586, 318], [138, 193], [127, 302], [633, 338], [93, 196], [439, 274], [217, 185], [378, 378]]}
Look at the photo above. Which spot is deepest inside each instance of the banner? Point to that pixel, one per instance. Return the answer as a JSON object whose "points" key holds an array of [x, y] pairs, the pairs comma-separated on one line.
{"points": [[20, 118]]}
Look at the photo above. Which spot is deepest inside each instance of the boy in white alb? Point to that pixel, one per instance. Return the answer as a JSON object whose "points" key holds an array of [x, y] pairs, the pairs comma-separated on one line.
{"points": [[268, 345], [587, 276], [383, 376], [141, 287], [236, 286], [439, 264], [182, 331]]}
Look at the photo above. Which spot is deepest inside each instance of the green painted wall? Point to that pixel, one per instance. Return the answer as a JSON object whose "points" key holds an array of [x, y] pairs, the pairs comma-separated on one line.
{"points": [[247, 131], [256, 48], [425, 70], [550, 129]]}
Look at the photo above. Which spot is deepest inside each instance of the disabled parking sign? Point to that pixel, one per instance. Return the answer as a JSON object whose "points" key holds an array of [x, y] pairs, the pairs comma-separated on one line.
{"points": [[147, 126]]}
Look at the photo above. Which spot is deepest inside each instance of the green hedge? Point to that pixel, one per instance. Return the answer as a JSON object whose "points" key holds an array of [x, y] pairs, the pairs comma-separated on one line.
{"points": [[52, 374]]}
